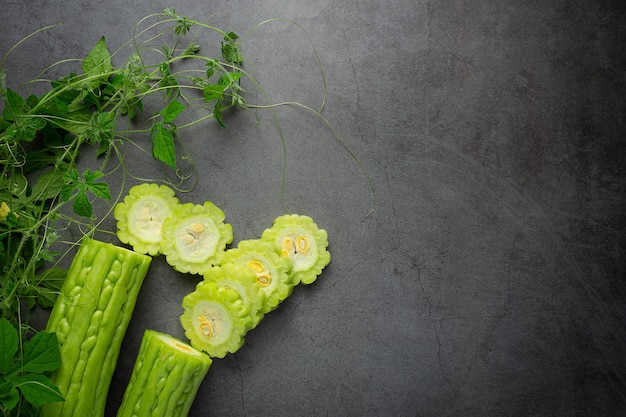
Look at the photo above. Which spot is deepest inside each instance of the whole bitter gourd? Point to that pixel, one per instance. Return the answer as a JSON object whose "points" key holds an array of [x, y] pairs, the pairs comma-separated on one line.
{"points": [[90, 318]]}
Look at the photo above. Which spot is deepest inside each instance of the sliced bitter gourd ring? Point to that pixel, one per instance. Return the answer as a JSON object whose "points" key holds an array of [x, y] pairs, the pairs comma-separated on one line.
{"points": [[271, 269], [301, 240], [242, 280], [140, 216], [215, 319], [195, 237]]}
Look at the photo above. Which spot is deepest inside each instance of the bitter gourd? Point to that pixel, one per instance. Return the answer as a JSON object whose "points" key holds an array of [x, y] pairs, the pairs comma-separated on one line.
{"points": [[301, 240], [140, 216], [244, 281], [90, 318], [215, 319], [165, 378], [271, 269], [195, 237]]}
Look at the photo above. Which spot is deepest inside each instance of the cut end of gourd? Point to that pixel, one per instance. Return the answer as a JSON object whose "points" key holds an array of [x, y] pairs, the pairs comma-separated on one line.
{"points": [[178, 345]]}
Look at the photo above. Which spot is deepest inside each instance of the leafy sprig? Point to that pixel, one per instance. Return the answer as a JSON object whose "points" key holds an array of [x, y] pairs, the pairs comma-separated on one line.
{"points": [[41, 138], [25, 374]]}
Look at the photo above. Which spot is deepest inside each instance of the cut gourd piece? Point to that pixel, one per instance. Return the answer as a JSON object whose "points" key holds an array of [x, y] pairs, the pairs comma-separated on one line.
{"points": [[215, 319], [301, 240], [244, 281], [140, 216], [195, 237], [271, 269], [165, 379]]}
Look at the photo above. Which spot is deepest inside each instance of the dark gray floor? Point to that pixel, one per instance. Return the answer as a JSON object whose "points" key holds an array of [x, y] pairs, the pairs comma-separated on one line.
{"points": [[488, 281]]}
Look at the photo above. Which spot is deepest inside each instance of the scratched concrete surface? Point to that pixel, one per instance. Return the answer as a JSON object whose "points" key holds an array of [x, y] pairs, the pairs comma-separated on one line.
{"points": [[488, 280]]}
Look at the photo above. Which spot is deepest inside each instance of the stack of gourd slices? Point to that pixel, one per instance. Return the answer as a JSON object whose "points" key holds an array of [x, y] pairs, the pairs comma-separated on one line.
{"points": [[240, 285]]}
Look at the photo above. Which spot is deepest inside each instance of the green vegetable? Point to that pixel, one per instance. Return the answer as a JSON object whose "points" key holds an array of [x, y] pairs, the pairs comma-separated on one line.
{"points": [[244, 281], [301, 240], [215, 319], [165, 379], [140, 216], [26, 377], [42, 136], [195, 237], [90, 318], [271, 269]]}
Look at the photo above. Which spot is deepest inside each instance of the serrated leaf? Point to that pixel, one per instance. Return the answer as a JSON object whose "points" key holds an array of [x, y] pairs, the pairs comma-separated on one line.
{"points": [[163, 145], [171, 111], [90, 175], [81, 205], [8, 344], [100, 190], [42, 353], [98, 61], [38, 389]]}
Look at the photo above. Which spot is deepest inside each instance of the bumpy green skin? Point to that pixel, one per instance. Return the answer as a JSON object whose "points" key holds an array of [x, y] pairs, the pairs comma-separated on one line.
{"points": [[265, 260], [165, 379], [90, 318], [224, 310], [140, 216], [242, 280], [195, 237], [295, 230]]}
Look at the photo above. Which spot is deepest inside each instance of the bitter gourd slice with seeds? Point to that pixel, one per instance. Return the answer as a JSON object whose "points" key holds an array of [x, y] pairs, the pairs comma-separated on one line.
{"points": [[90, 318], [244, 281], [271, 269], [140, 216], [301, 240], [215, 319], [195, 237], [165, 379]]}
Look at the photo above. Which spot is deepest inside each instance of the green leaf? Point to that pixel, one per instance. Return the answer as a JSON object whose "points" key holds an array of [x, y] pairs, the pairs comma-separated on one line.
{"points": [[211, 64], [49, 284], [217, 113], [168, 81], [8, 345], [42, 353], [230, 51], [27, 127], [98, 61], [100, 190], [213, 92], [38, 389], [90, 176], [81, 205], [163, 144], [101, 127], [171, 111], [11, 398], [48, 185], [14, 105]]}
